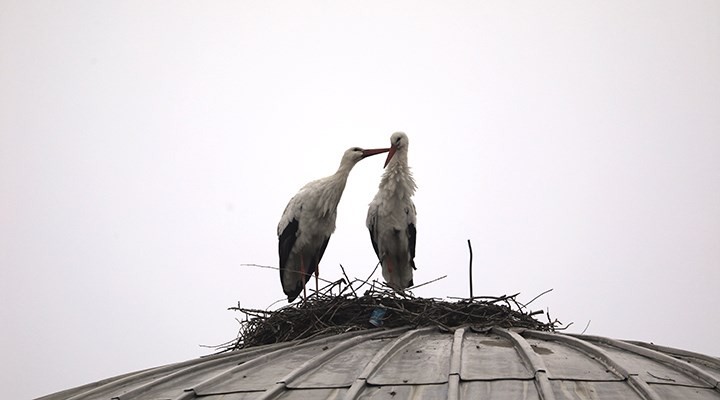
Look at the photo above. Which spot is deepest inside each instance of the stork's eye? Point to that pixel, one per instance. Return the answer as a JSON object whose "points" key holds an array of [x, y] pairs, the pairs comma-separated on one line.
{"points": [[357, 149]]}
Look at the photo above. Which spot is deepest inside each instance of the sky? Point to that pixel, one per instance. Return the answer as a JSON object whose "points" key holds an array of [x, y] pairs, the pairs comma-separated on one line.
{"points": [[148, 149]]}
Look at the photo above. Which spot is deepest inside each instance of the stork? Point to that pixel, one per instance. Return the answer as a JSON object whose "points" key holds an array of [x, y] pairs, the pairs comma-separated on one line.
{"points": [[391, 217], [308, 221]]}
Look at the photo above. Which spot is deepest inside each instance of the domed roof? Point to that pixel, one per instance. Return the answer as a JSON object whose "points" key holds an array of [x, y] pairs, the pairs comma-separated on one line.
{"points": [[427, 363]]}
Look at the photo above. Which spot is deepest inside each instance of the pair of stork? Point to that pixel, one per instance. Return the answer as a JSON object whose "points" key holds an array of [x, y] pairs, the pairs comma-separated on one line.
{"points": [[309, 220]]}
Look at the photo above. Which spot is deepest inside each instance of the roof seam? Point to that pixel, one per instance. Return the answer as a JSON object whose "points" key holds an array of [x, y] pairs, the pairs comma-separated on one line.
{"points": [[380, 358], [683, 366], [677, 352], [318, 360], [455, 363], [267, 357], [638, 385], [147, 373], [532, 360]]}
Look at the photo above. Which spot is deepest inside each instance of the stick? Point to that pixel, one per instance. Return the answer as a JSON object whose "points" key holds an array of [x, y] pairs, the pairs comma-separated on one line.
{"points": [[368, 278], [586, 327], [348, 280], [423, 284], [535, 298], [276, 268], [259, 266], [471, 280]]}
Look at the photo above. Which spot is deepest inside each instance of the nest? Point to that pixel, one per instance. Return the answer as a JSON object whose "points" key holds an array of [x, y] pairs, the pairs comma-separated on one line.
{"points": [[327, 313]]}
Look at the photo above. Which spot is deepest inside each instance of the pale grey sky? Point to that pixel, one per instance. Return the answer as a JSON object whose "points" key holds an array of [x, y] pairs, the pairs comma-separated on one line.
{"points": [[147, 149]]}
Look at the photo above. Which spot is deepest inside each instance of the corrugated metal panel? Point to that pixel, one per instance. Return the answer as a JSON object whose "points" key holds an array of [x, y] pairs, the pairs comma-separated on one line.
{"points": [[341, 371], [171, 382], [649, 370], [505, 389], [491, 357], [234, 396], [260, 377], [556, 358], [688, 369], [427, 364], [395, 392], [431, 351], [327, 394], [587, 390], [675, 392], [531, 360]]}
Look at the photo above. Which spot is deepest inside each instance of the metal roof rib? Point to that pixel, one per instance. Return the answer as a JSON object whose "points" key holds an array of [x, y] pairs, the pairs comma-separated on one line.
{"points": [[322, 357], [190, 393], [418, 363], [658, 356], [380, 358], [455, 358], [148, 373], [715, 361], [532, 360], [117, 383], [641, 387], [229, 357]]}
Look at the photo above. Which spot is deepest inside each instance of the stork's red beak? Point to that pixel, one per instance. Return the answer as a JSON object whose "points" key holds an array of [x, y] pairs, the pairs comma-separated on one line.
{"points": [[372, 152], [393, 149]]}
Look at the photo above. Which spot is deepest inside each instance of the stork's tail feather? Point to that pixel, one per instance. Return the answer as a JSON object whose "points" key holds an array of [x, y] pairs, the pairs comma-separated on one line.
{"points": [[293, 294]]}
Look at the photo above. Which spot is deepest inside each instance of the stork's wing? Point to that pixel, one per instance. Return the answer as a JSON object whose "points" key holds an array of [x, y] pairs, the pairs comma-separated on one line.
{"points": [[411, 243], [316, 259], [286, 241], [411, 216], [371, 223]]}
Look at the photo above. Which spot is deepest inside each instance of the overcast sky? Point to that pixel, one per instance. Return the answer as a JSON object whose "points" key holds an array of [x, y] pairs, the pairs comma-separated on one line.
{"points": [[148, 149]]}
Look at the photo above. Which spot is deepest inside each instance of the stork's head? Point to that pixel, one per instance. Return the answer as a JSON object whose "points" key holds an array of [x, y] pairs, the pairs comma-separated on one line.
{"points": [[355, 154], [398, 142]]}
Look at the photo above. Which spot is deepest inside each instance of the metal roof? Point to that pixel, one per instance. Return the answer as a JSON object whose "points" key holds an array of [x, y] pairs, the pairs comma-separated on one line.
{"points": [[427, 363]]}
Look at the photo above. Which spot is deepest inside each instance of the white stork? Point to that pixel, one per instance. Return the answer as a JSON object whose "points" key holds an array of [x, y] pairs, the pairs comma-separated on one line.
{"points": [[391, 217], [308, 221]]}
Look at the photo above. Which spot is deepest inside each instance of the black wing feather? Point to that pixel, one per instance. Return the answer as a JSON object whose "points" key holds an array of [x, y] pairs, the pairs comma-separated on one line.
{"points": [[411, 239], [371, 228], [286, 241], [316, 259]]}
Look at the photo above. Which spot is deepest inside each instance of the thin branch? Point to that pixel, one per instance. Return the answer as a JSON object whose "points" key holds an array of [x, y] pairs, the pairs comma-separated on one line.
{"points": [[471, 278], [366, 281], [259, 266], [276, 268], [428, 282], [586, 327], [536, 297], [348, 280]]}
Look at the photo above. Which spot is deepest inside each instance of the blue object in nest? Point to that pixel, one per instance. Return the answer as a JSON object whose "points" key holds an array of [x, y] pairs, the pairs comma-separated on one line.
{"points": [[377, 316]]}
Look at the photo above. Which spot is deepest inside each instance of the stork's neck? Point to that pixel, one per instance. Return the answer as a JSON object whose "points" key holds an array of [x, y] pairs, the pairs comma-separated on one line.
{"points": [[397, 177], [331, 188], [343, 170]]}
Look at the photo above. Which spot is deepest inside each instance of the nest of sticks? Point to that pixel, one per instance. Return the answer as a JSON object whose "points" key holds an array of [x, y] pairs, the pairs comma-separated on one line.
{"points": [[338, 308]]}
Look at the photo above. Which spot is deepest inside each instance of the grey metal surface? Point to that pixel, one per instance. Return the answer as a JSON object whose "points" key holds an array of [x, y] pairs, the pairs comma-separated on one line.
{"points": [[427, 364], [430, 350], [491, 357], [503, 389]]}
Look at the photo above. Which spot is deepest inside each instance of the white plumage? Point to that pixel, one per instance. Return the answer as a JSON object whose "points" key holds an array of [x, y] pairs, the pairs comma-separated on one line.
{"points": [[391, 217], [309, 220]]}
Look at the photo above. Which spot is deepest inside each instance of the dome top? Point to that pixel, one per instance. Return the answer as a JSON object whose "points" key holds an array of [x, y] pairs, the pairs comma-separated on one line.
{"points": [[427, 363]]}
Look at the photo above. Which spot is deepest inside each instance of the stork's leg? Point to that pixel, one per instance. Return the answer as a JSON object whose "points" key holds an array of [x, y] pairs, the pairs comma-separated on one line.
{"points": [[302, 273], [317, 274], [389, 264]]}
